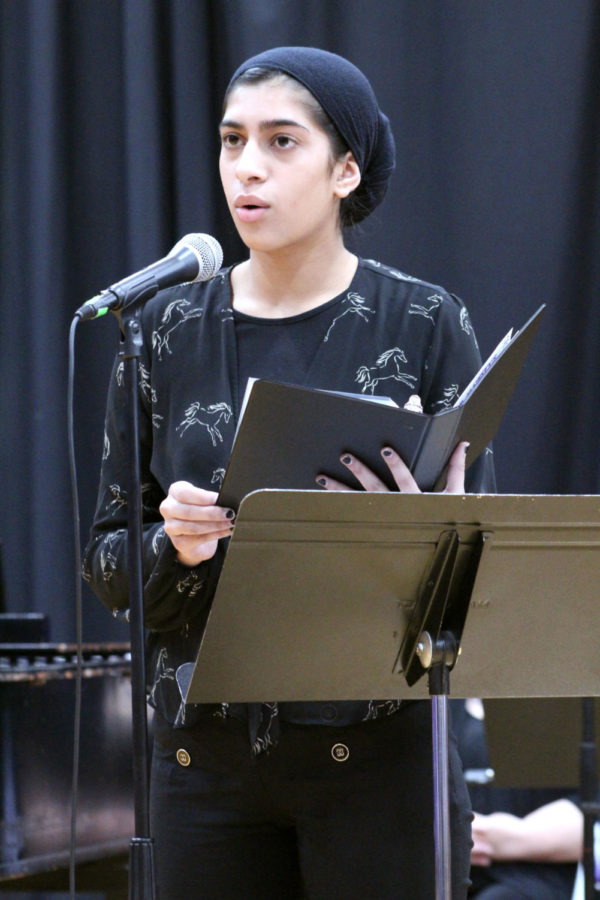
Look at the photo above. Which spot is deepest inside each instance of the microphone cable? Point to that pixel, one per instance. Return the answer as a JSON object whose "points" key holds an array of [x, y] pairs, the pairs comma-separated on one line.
{"points": [[78, 613]]}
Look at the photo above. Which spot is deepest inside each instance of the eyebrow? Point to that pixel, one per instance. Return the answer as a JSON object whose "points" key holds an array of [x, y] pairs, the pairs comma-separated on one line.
{"points": [[267, 125]]}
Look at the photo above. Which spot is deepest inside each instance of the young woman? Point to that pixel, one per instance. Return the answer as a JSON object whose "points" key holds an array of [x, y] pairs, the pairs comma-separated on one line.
{"points": [[249, 801]]}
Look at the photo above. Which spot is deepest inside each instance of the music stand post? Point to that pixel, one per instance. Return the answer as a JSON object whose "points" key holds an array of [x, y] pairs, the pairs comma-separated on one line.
{"points": [[400, 573], [443, 657], [432, 644]]}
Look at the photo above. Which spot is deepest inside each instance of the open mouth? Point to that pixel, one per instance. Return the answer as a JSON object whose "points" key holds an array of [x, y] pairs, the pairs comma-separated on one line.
{"points": [[251, 212]]}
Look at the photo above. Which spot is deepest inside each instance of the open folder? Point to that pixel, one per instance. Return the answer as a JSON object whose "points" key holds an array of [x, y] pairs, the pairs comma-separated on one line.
{"points": [[287, 435]]}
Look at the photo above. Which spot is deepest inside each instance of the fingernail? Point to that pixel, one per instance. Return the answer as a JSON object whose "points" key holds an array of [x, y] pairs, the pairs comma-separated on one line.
{"points": [[386, 452], [229, 514], [347, 460], [467, 445], [322, 481]]}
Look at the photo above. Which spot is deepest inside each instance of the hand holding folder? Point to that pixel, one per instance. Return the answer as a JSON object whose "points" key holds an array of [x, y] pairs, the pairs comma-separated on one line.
{"points": [[288, 435]]}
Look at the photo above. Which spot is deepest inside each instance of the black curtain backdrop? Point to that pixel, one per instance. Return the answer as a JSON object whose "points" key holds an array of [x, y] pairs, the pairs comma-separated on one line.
{"points": [[109, 155]]}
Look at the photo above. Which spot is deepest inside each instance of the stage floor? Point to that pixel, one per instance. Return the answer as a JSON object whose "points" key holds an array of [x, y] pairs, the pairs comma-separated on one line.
{"points": [[105, 879]]}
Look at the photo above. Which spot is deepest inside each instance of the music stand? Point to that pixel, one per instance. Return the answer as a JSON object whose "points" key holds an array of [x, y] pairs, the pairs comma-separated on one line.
{"points": [[343, 586]]}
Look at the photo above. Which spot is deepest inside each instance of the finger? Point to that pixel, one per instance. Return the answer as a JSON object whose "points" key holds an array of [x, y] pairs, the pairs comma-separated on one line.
{"points": [[455, 479], [173, 510], [400, 471], [190, 543], [330, 484], [180, 504], [362, 473], [185, 492], [176, 528]]}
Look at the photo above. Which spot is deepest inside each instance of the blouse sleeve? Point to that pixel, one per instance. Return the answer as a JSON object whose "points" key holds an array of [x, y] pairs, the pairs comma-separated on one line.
{"points": [[174, 594]]}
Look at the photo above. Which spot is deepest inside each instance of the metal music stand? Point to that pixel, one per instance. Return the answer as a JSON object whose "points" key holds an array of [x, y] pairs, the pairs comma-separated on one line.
{"points": [[357, 595]]}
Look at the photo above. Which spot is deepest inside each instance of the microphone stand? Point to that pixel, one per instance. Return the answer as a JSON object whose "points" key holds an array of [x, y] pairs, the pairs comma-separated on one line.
{"points": [[141, 848], [198, 257]]}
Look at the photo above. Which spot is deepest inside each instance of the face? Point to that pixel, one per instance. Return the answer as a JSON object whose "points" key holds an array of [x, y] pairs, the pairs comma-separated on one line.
{"points": [[282, 187]]}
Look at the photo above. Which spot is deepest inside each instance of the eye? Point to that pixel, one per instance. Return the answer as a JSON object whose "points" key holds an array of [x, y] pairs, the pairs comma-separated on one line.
{"points": [[231, 140], [283, 141]]}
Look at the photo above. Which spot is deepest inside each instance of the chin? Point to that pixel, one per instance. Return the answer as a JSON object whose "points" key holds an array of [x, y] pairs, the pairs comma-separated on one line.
{"points": [[262, 243]]}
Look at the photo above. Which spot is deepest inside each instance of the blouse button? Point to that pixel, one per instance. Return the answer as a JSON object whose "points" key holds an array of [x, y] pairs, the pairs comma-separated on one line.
{"points": [[183, 757]]}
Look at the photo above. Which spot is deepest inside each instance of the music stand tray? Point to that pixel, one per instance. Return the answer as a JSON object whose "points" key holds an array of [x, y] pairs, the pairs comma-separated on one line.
{"points": [[317, 591]]}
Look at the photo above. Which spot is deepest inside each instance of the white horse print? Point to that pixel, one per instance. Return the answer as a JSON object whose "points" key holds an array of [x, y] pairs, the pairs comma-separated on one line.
{"points": [[379, 708], [190, 584], [449, 397], [174, 315], [209, 417], [146, 385], [108, 559], [355, 306], [163, 671], [119, 500], [418, 309], [395, 273], [465, 322], [387, 367], [158, 540], [217, 476]]}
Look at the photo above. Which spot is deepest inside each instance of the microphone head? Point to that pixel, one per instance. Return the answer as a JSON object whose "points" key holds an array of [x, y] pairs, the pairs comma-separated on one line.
{"points": [[207, 251]]}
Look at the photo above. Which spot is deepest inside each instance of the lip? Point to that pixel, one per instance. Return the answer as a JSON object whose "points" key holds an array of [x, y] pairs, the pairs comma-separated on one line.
{"points": [[250, 208]]}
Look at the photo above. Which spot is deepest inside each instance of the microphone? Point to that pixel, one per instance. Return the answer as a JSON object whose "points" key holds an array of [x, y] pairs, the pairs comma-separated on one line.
{"points": [[196, 257]]}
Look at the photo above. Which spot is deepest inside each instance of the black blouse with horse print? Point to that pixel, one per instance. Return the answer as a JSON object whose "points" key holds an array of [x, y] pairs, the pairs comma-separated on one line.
{"points": [[388, 334]]}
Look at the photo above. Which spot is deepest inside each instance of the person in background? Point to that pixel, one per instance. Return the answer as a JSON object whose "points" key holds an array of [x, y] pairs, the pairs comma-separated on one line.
{"points": [[526, 842], [281, 800]]}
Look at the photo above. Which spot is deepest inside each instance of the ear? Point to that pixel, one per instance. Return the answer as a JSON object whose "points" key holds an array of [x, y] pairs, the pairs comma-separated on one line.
{"points": [[347, 176]]}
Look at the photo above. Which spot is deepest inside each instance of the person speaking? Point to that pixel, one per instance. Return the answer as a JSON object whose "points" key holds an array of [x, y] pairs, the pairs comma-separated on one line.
{"points": [[252, 801]]}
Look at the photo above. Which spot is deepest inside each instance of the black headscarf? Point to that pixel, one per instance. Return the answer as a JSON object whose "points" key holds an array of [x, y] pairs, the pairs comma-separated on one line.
{"points": [[348, 99]]}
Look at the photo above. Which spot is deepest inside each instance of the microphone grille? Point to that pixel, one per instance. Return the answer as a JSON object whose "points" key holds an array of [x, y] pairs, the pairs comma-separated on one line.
{"points": [[208, 252]]}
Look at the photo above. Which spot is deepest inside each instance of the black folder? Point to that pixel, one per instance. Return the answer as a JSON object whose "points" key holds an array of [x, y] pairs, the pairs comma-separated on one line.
{"points": [[288, 435]]}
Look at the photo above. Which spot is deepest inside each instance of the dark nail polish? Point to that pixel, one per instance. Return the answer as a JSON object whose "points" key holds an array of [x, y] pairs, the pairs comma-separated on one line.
{"points": [[322, 481], [346, 460], [229, 514], [386, 452]]}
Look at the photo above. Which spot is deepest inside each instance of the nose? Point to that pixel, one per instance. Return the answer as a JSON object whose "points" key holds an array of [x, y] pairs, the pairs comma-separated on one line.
{"points": [[250, 165]]}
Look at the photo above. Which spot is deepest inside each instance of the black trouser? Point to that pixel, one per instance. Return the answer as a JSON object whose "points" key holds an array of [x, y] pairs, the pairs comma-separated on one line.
{"points": [[524, 881], [331, 812]]}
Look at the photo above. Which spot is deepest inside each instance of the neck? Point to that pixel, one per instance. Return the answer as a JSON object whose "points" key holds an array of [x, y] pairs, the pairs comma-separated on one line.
{"points": [[286, 283]]}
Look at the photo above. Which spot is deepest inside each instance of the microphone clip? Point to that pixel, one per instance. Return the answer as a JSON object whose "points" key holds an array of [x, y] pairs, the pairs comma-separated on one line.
{"points": [[113, 300]]}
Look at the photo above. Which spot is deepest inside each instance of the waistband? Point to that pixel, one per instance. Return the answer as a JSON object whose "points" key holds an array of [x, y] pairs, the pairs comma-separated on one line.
{"points": [[340, 713]]}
